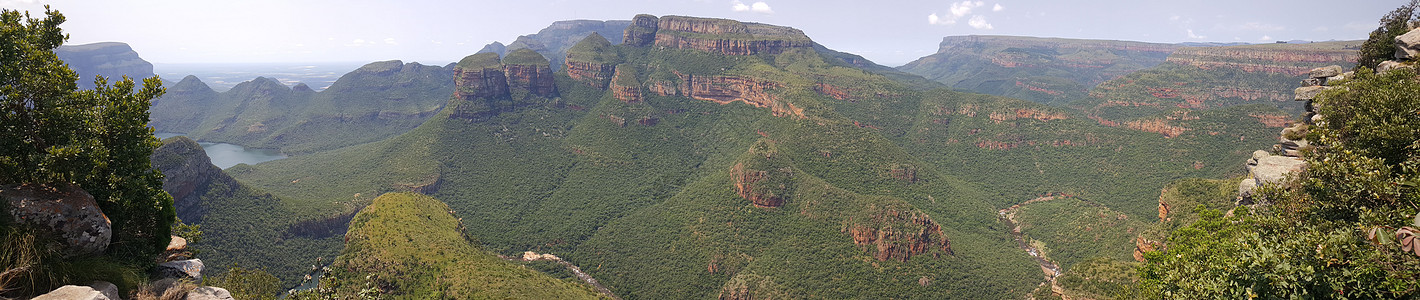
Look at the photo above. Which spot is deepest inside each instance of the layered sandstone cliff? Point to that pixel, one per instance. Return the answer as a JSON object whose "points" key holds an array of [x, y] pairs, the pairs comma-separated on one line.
{"points": [[592, 61], [1294, 60], [624, 85], [721, 36], [526, 69], [480, 76], [899, 234]]}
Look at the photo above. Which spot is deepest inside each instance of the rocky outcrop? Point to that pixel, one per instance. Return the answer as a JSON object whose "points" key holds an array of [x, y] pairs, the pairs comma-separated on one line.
{"points": [[526, 69], [592, 61], [480, 76], [721, 36], [1407, 46], [762, 177], [641, 32], [77, 225], [111, 60], [726, 89], [100, 290], [898, 234], [624, 85]]}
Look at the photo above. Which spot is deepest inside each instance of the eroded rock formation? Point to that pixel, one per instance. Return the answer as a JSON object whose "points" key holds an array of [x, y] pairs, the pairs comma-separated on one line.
{"points": [[624, 85], [480, 76], [1263, 58], [898, 234], [726, 89]]}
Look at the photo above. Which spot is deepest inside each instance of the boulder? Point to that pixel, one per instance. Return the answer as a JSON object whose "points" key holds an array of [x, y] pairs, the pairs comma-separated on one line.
{"points": [[1246, 187], [1407, 45], [1312, 82], [177, 244], [68, 212], [98, 291], [191, 268], [1307, 93], [1327, 71], [1388, 65], [1272, 169], [1316, 119], [209, 293]]}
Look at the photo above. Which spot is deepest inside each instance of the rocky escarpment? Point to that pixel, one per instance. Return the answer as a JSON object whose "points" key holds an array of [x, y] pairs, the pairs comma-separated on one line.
{"points": [[727, 89], [111, 60], [1265, 168], [624, 85], [721, 36], [1295, 60], [592, 61], [898, 234], [485, 84], [67, 212], [187, 175]]}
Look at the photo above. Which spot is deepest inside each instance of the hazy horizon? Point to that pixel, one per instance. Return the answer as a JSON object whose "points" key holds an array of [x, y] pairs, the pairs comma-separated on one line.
{"points": [[890, 33]]}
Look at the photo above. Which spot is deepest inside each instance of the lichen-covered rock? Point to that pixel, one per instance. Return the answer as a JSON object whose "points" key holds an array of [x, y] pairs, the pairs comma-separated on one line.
{"points": [[1272, 169], [1324, 72], [209, 293], [1246, 187], [1308, 93], [68, 212], [191, 268], [1407, 45]]}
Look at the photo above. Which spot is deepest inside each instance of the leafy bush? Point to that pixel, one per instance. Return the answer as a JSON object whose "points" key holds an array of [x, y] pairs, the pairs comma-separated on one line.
{"points": [[1380, 46]]}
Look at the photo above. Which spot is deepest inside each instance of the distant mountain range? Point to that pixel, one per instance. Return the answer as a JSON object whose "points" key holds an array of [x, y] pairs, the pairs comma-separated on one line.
{"points": [[112, 60]]}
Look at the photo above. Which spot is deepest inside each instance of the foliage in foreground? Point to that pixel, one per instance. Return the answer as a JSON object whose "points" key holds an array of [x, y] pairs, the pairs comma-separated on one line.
{"points": [[1312, 241], [53, 133]]}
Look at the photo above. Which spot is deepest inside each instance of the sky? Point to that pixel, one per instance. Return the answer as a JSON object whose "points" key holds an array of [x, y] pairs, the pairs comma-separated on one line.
{"points": [[890, 32]]}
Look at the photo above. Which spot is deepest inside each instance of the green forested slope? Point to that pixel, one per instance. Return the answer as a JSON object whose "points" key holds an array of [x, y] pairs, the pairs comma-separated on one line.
{"points": [[408, 246]]}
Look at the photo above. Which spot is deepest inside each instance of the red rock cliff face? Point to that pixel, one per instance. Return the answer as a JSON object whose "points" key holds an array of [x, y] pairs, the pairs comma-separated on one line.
{"points": [[478, 83], [726, 89], [589, 73], [899, 235], [629, 92], [729, 46], [537, 79]]}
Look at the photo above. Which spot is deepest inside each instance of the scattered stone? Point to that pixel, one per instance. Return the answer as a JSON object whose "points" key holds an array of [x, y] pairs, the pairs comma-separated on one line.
{"points": [[67, 211], [191, 268], [209, 293], [1311, 82], [1307, 93], [1327, 71], [108, 289], [1407, 45], [1316, 119]]}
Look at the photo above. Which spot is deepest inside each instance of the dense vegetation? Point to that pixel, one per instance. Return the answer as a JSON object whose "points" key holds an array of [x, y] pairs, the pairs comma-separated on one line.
{"points": [[1380, 46], [408, 246], [56, 135], [1339, 230]]}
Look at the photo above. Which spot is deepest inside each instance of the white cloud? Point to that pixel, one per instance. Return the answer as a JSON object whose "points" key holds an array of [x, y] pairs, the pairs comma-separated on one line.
{"points": [[390, 41], [757, 7], [1266, 38], [1191, 35], [963, 8], [1174, 18], [978, 22], [13, 3]]}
